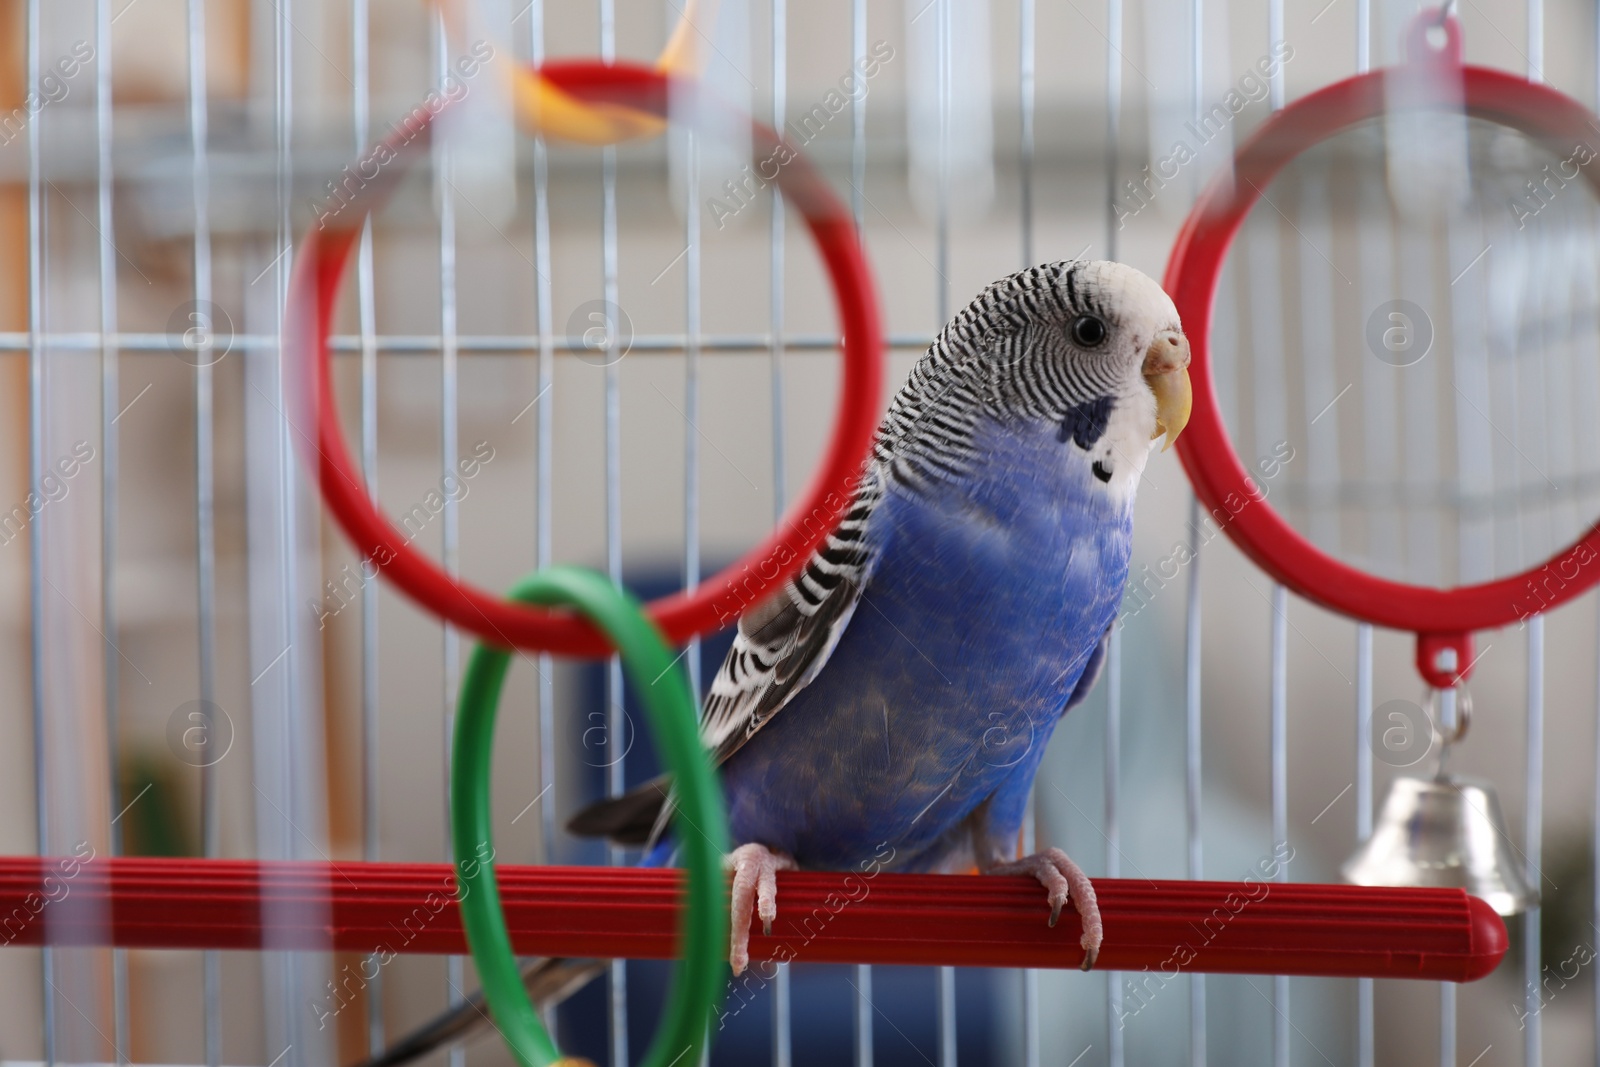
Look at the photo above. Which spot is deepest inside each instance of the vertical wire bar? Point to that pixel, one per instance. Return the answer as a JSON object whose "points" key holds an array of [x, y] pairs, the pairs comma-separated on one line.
{"points": [[110, 398], [1026, 87], [1113, 828], [616, 780], [864, 1051], [1447, 1024], [1533, 831], [1278, 727], [1364, 986], [545, 461], [36, 328], [943, 77], [1278, 744], [1027, 83], [858, 183], [782, 1018], [449, 433], [780, 106], [1363, 36], [1274, 37], [692, 339], [366, 300], [1113, 121], [288, 747], [691, 388], [205, 488], [1532, 845], [68, 803], [289, 752], [947, 1017], [1031, 1049], [1536, 40], [1115, 1051], [1197, 982], [947, 975], [1448, 1015], [1447, 990], [691, 404], [546, 434], [782, 1004], [1595, 827], [1191, 740], [858, 118]]}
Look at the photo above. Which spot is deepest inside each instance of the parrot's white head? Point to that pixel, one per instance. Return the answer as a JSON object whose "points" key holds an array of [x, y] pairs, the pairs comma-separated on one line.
{"points": [[1062, 334], [1091, 351]]}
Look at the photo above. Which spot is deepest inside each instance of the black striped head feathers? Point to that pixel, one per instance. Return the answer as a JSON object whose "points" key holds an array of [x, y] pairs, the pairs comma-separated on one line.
{"points": [[1070, 345]]}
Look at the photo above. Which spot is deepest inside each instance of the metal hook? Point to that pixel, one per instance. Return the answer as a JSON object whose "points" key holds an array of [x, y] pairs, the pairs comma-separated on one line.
{"points": [[1462, 725], [1444, 11]]}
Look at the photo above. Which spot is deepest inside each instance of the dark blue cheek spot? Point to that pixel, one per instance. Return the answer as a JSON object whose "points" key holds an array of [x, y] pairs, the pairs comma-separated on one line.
{"points": [[1085, 424]]}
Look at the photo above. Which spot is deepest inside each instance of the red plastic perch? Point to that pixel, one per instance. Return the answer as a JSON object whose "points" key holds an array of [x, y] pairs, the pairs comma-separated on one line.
{"points": [[1249, 928]]}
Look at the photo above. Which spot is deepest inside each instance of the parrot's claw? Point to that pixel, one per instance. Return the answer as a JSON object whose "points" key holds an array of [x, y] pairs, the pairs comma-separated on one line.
{"points": [[1064, 880], [755, 890]]}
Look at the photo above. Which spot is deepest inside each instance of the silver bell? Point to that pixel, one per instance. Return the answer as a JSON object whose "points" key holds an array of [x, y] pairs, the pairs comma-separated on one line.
{"points": [[1443, 832]]}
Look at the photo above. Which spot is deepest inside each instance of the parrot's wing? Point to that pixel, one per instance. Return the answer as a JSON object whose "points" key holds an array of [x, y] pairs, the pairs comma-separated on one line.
{"points": [[781, 645], [783, 642]]}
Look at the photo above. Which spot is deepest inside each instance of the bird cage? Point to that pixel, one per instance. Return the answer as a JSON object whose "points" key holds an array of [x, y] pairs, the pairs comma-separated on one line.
{"points": [[611, 337]]}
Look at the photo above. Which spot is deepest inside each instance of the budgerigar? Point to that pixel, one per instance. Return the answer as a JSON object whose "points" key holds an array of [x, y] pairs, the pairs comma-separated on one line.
{"points": [[891, 704], [901, 690]]}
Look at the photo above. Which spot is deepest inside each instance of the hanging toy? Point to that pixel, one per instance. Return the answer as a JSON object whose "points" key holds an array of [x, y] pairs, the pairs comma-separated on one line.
{"points": [[1439, 831], [1444, 832]]}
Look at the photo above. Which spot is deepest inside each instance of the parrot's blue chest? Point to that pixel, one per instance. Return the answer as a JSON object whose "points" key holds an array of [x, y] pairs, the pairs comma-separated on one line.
{"points": [[985, 604]]}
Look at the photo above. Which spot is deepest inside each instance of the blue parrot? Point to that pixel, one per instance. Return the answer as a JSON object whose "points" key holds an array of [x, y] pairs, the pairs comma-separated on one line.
{"points": [[890, 705], [900, 691]]}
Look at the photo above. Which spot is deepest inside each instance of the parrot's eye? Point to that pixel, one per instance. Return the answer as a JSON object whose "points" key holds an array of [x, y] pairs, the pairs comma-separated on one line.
{"points": [[1088, 331]]}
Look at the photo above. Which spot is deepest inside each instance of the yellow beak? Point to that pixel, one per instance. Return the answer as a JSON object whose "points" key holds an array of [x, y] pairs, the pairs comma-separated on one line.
{"points": [[1166, 369]]}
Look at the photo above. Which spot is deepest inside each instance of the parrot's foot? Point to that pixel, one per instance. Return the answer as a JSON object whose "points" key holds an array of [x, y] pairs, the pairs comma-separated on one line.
{"points": [[1065, 880], [755, 888]]}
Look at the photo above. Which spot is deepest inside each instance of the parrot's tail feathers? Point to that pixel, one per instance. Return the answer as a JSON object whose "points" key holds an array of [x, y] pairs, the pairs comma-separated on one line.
{"points": [[630, 819], [548, 981]]}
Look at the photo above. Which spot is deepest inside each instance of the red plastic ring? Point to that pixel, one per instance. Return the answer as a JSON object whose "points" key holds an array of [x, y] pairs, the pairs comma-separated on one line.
{"points": [[313, 294], [1221, 480]]}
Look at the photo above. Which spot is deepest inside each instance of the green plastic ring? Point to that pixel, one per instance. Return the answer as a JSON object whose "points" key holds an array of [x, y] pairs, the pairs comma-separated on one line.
{"points": [[698, 978]]}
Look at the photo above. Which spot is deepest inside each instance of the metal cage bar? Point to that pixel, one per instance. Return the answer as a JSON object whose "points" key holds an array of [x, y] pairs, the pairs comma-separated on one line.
{"points": [[544, 447], [110, 401], [1365, 1006], [1192, 764], [1115, 1048], [144, 344], [205, 479], [449, 447], [616, 751], [36, 461], [1532, 840], [1278, 758], [782, 993], [858, 190], [1192, 719], [941, 303], [366, 301], [1027, 29]]}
